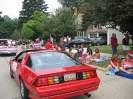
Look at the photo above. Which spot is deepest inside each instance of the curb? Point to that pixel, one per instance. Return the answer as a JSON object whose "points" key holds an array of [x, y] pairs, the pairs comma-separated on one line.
{"points": [[99, 68]]}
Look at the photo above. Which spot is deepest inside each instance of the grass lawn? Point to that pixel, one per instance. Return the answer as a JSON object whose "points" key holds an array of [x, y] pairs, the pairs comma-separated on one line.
{"points": [[108, 49], [103, 64]]}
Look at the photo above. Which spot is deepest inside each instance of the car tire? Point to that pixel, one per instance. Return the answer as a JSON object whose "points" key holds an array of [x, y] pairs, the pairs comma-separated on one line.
{"points": [[98, 43], [11, 73], [23, 90]]}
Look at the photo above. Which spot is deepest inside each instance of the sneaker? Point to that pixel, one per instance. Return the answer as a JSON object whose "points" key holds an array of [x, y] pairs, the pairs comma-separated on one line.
{"points": [[107, 73]]}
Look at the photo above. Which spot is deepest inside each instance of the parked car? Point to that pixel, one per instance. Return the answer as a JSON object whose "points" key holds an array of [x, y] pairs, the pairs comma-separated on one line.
{"points": [[101, 40], [7, 49], [50, 74], [80, 40]]}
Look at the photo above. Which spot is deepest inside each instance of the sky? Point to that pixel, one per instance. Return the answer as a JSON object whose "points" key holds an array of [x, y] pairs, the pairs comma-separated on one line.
{"points": [[12, 7]]}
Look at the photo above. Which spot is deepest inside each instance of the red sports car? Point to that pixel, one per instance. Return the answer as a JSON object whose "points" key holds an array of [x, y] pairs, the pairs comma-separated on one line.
{"points": [[49, 74]]}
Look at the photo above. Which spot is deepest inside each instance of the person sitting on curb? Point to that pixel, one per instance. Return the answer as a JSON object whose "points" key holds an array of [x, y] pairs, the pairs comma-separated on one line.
{"points": [[113, 65], [70, 52], [89, 54], [127, 64], [95, 57]]}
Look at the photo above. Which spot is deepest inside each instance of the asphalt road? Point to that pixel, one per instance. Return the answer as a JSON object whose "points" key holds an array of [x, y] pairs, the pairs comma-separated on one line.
{"points": [[111, 87]]}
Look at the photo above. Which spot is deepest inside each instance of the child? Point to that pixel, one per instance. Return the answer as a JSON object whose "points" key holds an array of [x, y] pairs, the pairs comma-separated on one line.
{"points": [[56, 47], [84, 53], [95, 57], [113, 67], [89, 55], [70, 52], [127, 64]]}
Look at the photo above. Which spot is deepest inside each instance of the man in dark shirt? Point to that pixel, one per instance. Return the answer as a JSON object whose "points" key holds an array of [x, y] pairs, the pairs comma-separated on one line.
{"points": [[63, 46], [125, 43]]}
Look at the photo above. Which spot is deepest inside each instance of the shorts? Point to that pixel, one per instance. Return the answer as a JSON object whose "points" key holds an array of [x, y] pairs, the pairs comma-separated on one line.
{"points": [[129, 68], [126, 47]]}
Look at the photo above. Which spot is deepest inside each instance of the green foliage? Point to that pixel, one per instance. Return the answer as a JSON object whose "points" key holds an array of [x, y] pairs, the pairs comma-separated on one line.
{"points": [[27, 32], [33, 26], [7, 26], [29, 6], [109, 13], [65, 22], [70, 3], [61, 23], [15, 35], [112, 13]]}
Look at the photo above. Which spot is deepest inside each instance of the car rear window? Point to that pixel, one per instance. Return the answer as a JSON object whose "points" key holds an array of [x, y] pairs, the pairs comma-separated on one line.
{"points": [[48, 60]]}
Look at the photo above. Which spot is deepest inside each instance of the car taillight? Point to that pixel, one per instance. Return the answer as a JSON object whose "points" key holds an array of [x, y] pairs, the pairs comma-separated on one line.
{"points": [[86, 75], [50, 80], [41, 82], [56, 79], [47, 81], [93, 74]]}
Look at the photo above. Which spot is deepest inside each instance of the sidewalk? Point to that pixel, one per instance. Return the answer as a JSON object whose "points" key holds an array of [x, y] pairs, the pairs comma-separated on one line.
{"points": [[110, 55]]}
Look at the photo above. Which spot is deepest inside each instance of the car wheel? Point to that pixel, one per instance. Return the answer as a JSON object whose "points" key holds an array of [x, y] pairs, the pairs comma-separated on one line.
{"points": [[98, 44], [11, 73], [23, 90]]}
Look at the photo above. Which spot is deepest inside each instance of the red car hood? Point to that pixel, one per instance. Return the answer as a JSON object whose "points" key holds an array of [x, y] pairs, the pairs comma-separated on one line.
{"points": [[65, 70], [8, 48]]}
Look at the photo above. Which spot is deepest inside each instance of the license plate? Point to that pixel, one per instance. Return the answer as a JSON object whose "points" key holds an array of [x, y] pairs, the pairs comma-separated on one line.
{"points": [[69, 77]]}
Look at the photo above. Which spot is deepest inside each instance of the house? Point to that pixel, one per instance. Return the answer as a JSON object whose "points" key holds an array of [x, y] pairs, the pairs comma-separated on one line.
{"points": [[96, 31]]}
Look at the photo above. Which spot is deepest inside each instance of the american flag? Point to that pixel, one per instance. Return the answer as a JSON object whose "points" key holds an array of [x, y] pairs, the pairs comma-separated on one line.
{"points": [[51, 38]]}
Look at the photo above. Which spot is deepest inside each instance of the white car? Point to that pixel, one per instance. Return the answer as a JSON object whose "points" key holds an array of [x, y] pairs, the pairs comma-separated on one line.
{"points": [[5, 48]]}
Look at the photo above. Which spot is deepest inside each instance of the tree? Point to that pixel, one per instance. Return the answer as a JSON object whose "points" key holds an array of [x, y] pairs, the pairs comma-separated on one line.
{"points": [[70, 3], [120, 13], [29, 6], [27, 32], [15, 35], [7, 26], [64, 22], [33, 26], [61, 23], [111, 13]]}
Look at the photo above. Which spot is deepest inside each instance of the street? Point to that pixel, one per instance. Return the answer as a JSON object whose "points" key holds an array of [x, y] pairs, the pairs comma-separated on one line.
{"points": [[111, 87]]}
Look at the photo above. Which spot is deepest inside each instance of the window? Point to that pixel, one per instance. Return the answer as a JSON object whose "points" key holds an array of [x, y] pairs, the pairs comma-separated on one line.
{"points": [[93, 35], [29, 62], [48, 60], [20, 57]]}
